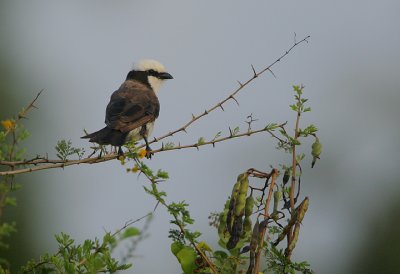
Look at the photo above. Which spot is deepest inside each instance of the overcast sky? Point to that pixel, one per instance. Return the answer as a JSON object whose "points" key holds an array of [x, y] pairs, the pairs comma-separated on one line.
{"points": [[80, 52]]}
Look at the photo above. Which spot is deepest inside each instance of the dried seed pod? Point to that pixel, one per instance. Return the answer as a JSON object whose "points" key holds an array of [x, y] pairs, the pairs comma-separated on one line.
{"points": [[253, 247], [302, 209], [237, 229], [295, 237], [286, 176]]}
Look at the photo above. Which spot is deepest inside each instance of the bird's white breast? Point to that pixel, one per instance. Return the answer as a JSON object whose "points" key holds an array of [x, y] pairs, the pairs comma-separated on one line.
{"points": [[134, 135]]}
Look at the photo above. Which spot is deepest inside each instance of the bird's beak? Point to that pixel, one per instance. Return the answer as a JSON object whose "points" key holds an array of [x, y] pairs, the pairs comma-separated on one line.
{"points": [[165, 76]]}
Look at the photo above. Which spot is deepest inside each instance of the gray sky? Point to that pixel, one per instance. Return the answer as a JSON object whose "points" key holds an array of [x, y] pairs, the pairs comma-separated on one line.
{"points": [[80, 52]]}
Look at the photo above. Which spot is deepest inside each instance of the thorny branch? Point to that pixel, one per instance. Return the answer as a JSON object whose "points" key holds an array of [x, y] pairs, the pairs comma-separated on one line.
{"points": [[64, 163], [232, 95], [48, 164]]}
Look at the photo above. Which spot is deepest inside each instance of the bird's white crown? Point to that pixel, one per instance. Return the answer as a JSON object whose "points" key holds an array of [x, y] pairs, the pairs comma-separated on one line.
{"points": [[148, 64]]}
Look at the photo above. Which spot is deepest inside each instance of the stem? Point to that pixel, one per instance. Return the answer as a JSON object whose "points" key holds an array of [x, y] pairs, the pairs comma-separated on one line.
{"points": [[293, 184], [294, 162], [274, 175]]}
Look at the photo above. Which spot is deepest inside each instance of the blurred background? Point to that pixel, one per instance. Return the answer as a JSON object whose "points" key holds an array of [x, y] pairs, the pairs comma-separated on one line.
{"points": [[79, 52]]}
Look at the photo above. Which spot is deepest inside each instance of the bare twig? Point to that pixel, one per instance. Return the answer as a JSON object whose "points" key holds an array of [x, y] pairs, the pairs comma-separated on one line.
{"points": [[232, 95]]}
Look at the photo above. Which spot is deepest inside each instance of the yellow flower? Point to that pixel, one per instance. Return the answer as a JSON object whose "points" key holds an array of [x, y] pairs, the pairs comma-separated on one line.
{"points": [[135, 169], [8, 124], [121, 158], [142, 153]]}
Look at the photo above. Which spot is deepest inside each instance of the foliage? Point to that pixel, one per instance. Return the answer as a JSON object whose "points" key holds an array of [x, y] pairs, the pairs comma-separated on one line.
{"points": [[93, 256], [65, 149], [251, 227]]}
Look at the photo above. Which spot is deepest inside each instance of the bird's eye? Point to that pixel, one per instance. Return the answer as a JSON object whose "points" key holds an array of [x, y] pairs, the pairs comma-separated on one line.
{"points": [[152, 72]]}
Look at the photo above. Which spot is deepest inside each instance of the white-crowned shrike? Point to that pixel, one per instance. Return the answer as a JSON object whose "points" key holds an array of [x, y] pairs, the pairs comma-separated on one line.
{"points": [[134, 107]]}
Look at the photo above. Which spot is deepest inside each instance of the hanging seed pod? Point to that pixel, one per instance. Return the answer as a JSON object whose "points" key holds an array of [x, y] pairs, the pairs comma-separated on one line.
{"points": [[240, 205], [277, 198], [249, 206], [302, 209], [231, 207], [222, 227], [316, 150], [286, 176], [246, 226], [244, 184], [236, 232], [253, 247], [295, 237]]}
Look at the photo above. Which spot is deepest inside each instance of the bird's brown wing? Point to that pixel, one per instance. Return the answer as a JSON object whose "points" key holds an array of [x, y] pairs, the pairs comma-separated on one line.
{"points": [[133, 105]]}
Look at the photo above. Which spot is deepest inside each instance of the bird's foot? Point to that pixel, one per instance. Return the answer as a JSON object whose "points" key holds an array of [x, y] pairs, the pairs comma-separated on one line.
{"points": [[149, 152]]}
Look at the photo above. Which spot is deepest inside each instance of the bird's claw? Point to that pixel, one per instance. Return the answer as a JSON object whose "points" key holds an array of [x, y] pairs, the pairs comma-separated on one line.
{"points": [[149, 152]]}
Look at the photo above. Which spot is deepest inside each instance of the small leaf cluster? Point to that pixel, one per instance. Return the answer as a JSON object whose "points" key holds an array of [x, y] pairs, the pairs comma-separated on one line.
{"points": [[65, 149], [299, 105], [277, 262], [12, 133], [92, 256]]}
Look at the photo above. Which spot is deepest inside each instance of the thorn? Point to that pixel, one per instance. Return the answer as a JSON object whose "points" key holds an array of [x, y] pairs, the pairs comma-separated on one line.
{"points": [[221, 107], [213, 144], [34, 106], [162, 146], [230, 132], [234, 99], [272, 72], [240, 84], [205, 112], [254, 71], [193, 117], [184, 130]]}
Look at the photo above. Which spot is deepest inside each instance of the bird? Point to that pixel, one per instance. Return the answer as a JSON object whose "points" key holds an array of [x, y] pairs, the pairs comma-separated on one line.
{"points": [[133, 107]]}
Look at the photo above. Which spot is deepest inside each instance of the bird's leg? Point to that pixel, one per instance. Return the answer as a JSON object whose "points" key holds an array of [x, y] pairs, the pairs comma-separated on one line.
{"points": [[120, 152], [101, 151], [149, 153], [148, 149]]}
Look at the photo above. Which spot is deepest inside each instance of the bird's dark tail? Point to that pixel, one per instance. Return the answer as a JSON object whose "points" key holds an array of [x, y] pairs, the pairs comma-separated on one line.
{"points": [[107, 136]]}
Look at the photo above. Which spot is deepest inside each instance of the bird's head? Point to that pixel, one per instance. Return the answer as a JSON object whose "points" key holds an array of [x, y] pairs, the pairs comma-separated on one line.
{"points": [[151, 71]]}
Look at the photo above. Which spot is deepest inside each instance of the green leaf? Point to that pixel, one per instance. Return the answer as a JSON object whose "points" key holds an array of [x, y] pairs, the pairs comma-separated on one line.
{"points": [[187, 258], [201, 141], [176, 247], [130, 232], [271, 126], [12, 201], [162, 174], [294, 107]]}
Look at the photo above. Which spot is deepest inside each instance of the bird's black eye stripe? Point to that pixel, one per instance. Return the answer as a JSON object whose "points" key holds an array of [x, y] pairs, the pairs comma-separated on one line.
{"points": [[152, 72]]}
